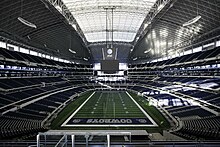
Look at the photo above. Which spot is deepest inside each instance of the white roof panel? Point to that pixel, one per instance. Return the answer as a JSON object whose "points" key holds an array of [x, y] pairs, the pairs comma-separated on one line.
{"points": [[127, 17]]}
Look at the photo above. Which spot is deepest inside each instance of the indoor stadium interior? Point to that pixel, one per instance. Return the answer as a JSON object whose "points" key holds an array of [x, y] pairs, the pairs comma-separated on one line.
{"points": [[109, 73]]}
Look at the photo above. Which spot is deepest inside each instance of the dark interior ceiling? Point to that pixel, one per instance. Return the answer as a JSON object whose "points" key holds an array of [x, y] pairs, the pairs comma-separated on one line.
{"points": [[166, 30], [122, 54], [54, 34]]}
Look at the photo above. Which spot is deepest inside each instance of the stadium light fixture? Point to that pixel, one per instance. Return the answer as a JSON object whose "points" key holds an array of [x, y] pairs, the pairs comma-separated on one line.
{"points": [[147, 51], [195, 19], [135, 59], [72, 51], [22, 20], [160, 7], [27, 23], [46, 5], [85, 59], [74, 26], [58, 8], [28, 37], [146, 25], [192, 21]]}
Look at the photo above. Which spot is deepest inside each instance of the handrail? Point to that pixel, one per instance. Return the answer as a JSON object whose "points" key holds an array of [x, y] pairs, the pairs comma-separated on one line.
{"points": [[60, 140]]}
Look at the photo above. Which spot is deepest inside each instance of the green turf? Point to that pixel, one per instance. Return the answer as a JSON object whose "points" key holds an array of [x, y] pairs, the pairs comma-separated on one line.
{"points": [[106, 102], [110, 105]]}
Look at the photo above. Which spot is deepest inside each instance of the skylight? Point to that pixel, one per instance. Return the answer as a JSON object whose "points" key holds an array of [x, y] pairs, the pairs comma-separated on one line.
{"points": [[127, 17]]}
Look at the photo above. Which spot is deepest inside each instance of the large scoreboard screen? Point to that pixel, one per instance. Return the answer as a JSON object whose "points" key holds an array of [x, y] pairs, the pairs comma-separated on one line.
{"points": [[110, 66]]}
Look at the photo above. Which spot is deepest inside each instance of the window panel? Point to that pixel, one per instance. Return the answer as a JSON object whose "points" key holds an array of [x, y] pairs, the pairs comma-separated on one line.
{"points": [[127, 17], [23, 50]]}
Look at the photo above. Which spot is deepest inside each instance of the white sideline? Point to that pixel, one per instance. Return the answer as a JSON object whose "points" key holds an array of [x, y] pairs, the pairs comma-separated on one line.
{"points": [[64, 124]]}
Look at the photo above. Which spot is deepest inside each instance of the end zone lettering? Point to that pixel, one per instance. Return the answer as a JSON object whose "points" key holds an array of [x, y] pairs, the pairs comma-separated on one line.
{"points": [[109, 121]]}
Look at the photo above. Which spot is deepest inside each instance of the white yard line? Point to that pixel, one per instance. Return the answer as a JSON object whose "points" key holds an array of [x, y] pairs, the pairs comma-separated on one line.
{"points": [[145, 113]]}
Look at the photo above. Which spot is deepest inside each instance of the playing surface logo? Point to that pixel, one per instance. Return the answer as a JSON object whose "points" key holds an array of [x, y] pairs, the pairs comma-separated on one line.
{"points": [[76, 121], [142, 120], [109, 53], [109, 121]]}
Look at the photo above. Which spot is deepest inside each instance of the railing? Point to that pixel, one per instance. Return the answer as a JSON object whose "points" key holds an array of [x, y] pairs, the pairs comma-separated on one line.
{"points": [[62, 138], [133, 144]]}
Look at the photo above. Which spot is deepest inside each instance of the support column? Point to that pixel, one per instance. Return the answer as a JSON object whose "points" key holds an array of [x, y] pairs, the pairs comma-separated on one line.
{"points": [[73, 140], [87, 139], [38, 140], [108, 140]]}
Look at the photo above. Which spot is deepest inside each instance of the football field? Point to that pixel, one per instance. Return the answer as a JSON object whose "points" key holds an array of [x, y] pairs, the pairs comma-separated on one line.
{"points": [[109, 108]]}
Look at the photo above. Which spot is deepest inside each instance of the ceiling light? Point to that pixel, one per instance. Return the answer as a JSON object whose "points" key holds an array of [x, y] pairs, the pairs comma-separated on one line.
{"points": [[192, 21], [146, 25], [135, 58], [27, 23], [171, 5], [147, 51], [74, 26], [85, 59], [160, 7], [46, 5], [72, 51], [58, 8], [28, 37]]}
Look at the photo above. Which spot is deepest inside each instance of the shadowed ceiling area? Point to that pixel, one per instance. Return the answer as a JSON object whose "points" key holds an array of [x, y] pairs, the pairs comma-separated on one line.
{"points": [[53, 33], [167, 34], [142, 30]]}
